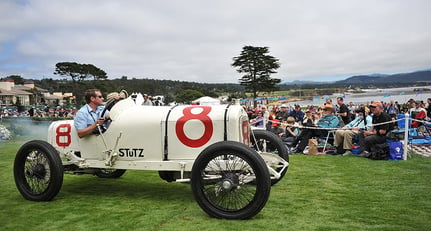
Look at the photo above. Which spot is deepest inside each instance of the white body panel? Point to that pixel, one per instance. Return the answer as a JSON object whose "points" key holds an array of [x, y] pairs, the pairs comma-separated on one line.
{"points": [[152, 138]]}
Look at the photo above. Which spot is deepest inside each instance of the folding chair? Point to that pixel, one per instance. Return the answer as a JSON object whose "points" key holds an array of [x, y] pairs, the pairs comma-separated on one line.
{"points": [[330, 133]]}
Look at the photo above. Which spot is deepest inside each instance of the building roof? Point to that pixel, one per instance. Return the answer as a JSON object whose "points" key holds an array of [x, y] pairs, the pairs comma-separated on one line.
{"points": [[14, 91], [19, 89]]}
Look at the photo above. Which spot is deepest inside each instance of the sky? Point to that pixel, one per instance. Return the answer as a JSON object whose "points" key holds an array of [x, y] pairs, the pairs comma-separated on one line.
{"points": [[196, 40]]}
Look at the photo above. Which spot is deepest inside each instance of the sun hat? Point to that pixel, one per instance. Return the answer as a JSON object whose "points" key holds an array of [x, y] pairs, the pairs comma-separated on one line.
{"points": [[328, 107]]}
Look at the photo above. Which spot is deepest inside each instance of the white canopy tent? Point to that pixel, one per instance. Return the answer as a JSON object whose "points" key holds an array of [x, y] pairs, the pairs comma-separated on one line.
{"points": [[206, 100]]}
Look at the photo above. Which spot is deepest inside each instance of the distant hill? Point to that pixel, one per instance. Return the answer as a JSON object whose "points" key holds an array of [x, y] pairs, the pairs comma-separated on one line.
{"points": [[418, 76], [301, 82], [412, 77]]}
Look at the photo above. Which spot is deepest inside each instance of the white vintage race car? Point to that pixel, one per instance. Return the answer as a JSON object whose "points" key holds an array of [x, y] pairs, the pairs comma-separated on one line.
{"points": [[230, 167]]}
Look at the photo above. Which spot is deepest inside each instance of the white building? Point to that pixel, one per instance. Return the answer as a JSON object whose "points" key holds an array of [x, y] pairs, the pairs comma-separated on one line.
{"points": [[11, 92]]}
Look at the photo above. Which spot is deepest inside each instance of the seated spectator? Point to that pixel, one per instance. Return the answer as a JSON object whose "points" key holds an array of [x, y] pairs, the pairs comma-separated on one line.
{"points": [[418, 113], [328, 120], [276, 129], [291, 132], [258, 121], [344, 137], [282, 114], [297, 114], [377, 133], [309, 118], [272, 115]]}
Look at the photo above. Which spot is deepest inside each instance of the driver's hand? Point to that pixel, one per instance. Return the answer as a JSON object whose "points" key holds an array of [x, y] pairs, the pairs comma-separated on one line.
{"points": [[100, 121]]}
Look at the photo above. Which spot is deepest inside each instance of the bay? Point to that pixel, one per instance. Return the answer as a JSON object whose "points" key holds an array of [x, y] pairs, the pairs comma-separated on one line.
{"points": [[401, 95]]}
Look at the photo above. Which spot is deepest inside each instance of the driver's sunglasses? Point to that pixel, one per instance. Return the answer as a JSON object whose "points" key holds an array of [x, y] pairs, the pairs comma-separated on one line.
{"points": [[99, 96]]}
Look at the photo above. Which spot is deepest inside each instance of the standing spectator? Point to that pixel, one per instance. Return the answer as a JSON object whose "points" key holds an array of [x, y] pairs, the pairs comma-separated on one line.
{"points": [[31, 111], [158, 101], [329, 101], [429, 108], [352, 109], [265, 114], [343, 110], [377, 133], [147, 101], [392, 109]]}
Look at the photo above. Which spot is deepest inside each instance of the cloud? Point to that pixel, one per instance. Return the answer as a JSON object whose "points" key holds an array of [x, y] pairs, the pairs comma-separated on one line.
{"points": [[194, 40]]}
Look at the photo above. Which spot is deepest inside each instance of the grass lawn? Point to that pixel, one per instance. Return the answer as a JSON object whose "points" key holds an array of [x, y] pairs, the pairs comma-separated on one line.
{"points": [[317, 193]]}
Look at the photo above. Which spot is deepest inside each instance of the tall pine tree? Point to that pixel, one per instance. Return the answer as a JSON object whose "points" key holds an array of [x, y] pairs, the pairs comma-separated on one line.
{"points": [[257, 65]]}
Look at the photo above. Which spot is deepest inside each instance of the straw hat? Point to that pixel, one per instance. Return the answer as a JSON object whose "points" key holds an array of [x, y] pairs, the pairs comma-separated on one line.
{"points": [[328, 107]]}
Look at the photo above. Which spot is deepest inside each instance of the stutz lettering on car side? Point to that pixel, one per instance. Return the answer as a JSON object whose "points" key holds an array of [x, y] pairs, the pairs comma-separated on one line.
{"points": [[131, 152]]}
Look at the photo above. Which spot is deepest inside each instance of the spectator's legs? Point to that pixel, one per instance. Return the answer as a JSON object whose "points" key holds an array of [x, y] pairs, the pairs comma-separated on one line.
{"points": [[339, 137], [372, 140], [298, 139], [348, 139], [361, 140], [306, 135], [303, 139]]}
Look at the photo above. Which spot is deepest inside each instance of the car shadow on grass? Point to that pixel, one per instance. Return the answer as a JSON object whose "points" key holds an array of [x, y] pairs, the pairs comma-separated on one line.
{"points": [[139, 185]]}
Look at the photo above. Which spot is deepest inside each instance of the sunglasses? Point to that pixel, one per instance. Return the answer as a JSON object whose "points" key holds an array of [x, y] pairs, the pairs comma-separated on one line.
{"points": [[99, 96], [372, 106]]}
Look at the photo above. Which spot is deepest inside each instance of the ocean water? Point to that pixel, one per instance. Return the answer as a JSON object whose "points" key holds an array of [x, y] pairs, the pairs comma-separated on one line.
{"points": [[401, 95]]}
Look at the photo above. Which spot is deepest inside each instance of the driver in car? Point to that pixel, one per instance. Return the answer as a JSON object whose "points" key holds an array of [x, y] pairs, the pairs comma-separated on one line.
{"points": [[89, 119]]}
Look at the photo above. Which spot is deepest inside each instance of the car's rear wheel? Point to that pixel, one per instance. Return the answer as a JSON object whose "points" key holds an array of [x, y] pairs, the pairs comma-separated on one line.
{"points": [[267, 142], [38, 171], [109, 173], [230, 181]]}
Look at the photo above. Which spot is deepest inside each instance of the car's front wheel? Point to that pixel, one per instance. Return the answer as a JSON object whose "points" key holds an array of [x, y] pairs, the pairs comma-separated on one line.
{"points": [[230, 181], [38, 171]]}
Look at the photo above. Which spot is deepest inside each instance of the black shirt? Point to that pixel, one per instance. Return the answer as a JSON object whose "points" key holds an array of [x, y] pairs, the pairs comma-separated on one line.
{"points": [[344, 108], [282, 115], [383, 117], [429, 110]]}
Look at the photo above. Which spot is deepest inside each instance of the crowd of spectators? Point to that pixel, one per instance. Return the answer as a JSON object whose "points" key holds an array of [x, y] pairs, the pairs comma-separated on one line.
{"points": [[39, 111], [67, 112], [264, 116], [283, 111]]}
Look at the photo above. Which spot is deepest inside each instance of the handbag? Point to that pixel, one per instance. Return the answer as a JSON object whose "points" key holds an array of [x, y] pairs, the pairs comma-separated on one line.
{"points": [[312, 147]]}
